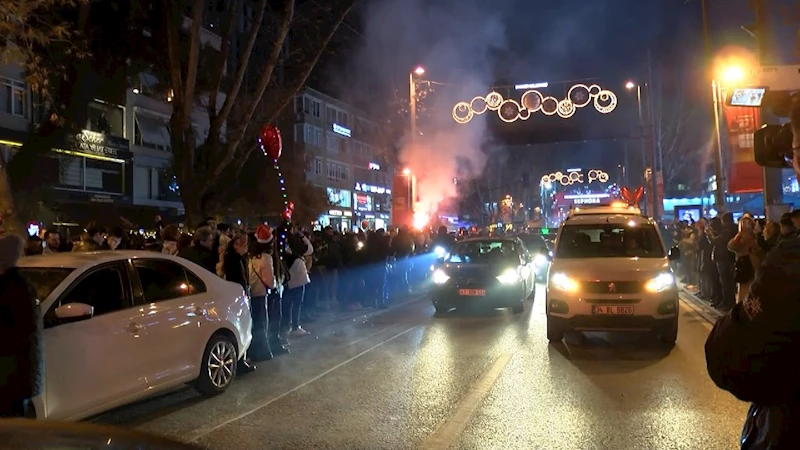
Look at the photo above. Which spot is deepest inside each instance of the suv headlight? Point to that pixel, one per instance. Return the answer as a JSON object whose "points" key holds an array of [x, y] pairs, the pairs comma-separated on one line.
{"points": [[509, 276], [563, 282], [439, 277], [540, 260], [660, 283]]}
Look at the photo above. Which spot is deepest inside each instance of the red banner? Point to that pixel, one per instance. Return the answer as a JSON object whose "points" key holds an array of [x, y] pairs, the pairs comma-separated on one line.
{"points": [[744, 175]]}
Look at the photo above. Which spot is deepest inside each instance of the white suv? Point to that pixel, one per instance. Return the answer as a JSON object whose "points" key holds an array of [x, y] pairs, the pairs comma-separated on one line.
{"points": [[611, 272]]}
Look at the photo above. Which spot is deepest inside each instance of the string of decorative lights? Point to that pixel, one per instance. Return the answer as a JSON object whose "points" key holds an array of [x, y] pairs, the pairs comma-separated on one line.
{"points": [[271, 146], [575, 176], [510, 110]]}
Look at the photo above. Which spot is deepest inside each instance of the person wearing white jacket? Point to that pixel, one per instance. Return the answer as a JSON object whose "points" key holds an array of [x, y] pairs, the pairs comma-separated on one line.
{"points": [[298, 247]]}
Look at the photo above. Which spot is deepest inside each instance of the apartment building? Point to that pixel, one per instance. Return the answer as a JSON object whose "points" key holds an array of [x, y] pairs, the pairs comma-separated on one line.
{"points": [[118, 168], [341, 147]]}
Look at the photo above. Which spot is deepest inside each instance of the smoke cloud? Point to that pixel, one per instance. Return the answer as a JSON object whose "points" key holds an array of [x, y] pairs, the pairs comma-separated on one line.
{"points": [[454, 40]]}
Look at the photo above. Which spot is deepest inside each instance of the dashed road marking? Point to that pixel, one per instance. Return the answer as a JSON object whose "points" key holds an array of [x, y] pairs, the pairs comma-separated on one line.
{"points": [[208, 430], [449, 431]]}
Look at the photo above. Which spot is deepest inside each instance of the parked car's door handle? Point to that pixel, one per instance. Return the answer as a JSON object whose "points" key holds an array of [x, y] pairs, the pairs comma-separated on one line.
{"points": [[133, 328]]}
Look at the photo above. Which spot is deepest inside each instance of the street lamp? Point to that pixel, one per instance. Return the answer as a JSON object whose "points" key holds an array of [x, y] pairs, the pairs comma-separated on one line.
{"points": [[654, 157], [412, 100], [630, 85], [730, 75], [406, 171]]}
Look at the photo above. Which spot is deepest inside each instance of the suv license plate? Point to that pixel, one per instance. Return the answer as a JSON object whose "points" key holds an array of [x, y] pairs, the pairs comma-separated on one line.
{"points": [[612, 310], [472, 292]]}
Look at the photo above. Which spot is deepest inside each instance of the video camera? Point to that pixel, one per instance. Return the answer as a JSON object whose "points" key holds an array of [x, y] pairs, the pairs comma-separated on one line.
{"points": [[773, 143], [780, 93]]}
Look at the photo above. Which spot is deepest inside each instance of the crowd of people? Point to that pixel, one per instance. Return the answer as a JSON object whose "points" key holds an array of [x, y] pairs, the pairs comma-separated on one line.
{"points": [[719, 257]]}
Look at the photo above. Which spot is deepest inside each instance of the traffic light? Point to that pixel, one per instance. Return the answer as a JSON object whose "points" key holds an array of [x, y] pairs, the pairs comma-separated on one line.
{"points": [[545, 231]]}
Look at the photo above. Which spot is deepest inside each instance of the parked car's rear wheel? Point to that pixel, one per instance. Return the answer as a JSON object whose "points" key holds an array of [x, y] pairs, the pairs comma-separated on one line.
{"points": [[218, 368]]}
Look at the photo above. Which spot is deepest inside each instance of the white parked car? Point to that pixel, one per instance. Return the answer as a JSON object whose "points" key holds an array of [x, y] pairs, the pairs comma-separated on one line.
{"points": [[120, 326]]}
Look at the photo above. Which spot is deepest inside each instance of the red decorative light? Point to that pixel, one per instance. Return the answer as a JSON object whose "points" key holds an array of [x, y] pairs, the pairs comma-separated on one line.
{"points": [[633, 198], [271, 142]]}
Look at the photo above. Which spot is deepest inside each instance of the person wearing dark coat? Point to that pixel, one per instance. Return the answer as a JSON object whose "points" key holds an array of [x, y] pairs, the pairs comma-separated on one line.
{"points": [[21, 355], [236, 270], [201, 252], [752, 352]]}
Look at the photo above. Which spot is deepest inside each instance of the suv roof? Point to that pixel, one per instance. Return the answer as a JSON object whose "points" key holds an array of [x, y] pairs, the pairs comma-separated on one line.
{"points": [[614, 208], [615, 218]]}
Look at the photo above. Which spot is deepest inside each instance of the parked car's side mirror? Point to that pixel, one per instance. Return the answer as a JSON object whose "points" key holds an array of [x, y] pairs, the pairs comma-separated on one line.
{"points": [[74, 312], [674, 254]]}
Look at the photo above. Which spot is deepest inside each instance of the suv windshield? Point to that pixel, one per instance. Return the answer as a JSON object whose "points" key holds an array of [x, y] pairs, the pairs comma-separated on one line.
{"points": [[44, 279], [484, 252], [609, 241]]}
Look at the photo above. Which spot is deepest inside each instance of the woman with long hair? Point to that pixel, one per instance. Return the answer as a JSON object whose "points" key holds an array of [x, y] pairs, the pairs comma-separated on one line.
{"points": [[265, 275], [748, 256]]}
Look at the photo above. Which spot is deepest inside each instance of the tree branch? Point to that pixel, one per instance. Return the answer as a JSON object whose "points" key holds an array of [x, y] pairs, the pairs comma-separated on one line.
{"points": [[255, 27], [287, 96], [173, 26], [194, 55], [221, 59]]}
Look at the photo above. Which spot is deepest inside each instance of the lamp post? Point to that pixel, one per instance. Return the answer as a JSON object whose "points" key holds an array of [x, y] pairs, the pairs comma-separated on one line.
{"points": [[653, 195], [730, 75], [412, 101]]}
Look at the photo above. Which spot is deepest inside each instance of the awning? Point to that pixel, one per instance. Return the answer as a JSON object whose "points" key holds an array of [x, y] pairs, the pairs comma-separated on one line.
{"points": [[154, 131]]}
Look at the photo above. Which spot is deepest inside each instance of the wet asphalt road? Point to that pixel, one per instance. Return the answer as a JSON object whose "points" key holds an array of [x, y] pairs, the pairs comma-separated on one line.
{"points": [[406, 380]]}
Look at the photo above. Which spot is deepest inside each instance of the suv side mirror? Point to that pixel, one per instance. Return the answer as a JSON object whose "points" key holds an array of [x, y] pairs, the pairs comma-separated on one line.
{"points": [[74, 312], [674, 254]]}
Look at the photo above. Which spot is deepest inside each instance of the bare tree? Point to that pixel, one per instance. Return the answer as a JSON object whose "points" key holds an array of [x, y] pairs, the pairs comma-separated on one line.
{"points": [[233, 108], [678, 135]]}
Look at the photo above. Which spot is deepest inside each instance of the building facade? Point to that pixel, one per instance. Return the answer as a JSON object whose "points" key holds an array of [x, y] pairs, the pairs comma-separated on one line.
{"points": [[340, 146], [118, 169]]}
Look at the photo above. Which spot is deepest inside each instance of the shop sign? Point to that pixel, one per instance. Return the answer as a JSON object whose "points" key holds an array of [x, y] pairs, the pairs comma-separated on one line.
{"points": [[335, 212], [338, 129], [374, 166], [95, 143], [348, 213], [363, 187]]}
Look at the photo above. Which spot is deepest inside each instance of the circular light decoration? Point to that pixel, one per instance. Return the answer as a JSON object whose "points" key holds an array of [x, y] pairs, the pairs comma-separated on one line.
{"points": [[605, 102], [549, 106], [566, 109], [509, 111], [578, 96], [494, 100], [462, 113], [575, 177], [478, 105], [532, 100]]}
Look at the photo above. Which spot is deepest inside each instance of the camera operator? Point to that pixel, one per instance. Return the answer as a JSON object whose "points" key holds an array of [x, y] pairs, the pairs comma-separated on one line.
{"points": [[753, 351]]}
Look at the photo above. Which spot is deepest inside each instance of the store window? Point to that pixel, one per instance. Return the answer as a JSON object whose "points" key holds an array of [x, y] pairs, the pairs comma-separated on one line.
{"points": [[89, 173], [363, 202], [106, 118], [339, 198]]}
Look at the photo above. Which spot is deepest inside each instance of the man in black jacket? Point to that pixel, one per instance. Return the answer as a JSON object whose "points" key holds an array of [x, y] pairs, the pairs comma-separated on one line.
{"points": [[201, 252]]}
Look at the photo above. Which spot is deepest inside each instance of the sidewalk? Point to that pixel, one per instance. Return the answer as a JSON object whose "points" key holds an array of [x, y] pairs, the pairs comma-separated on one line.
{"points": [[689, 295]]}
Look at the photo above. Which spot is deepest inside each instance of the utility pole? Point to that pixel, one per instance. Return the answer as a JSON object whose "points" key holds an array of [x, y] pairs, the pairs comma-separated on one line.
{"points": [[719, 193], [412, 105], [651, 128]]}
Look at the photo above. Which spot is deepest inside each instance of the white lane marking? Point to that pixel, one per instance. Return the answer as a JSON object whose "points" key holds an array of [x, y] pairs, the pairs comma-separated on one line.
{"points": [[449, 431], [364, 338], [685, 306], [204, 432]]}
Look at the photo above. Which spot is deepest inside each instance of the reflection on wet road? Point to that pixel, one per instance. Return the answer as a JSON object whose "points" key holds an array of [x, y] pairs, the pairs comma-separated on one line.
{"points": [[406, 380]]}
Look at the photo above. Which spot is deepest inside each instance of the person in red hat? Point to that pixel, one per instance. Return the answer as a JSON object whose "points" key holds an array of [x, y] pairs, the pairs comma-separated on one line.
{"points": [[265, 296]]}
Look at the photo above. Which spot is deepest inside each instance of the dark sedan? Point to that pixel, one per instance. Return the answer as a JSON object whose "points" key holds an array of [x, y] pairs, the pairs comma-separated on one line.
{"points": [[490, 272], [539, 250]]}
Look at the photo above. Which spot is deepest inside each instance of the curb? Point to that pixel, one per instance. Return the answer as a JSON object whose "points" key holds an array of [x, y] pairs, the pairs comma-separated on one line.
{"points": [[701, 307]]}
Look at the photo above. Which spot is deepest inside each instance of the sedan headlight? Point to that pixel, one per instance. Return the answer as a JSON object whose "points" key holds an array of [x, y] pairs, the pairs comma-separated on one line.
{"points": [[439, 277], [540, 260], [509, 276], [440, 251], [660, 283], [563, 282]]}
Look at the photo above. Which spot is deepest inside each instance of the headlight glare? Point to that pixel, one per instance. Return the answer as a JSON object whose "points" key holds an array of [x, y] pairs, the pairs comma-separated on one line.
{"points": [[509, 276], [439, 277], [563, 282], [661, 283], [540, 260], [440, 251]]}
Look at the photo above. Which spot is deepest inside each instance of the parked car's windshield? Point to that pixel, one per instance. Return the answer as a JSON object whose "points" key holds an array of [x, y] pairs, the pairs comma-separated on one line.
{"points": [[44, 279], [609, 241]]}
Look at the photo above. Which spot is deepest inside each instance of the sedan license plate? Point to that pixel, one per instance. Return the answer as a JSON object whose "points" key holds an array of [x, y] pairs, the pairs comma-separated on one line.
{"points": [[472, 292], [612, 310]]}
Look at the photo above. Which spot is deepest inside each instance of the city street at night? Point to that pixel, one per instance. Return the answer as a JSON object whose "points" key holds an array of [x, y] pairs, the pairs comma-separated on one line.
{"points": [[403, 379]]}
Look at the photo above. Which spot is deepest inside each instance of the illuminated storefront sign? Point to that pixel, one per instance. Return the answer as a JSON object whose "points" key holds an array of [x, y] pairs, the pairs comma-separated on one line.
{"points": [[362, 202], [338, 129], [363, 187], [374, 166], [335, 212], [525, 87], [587, 199]]}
